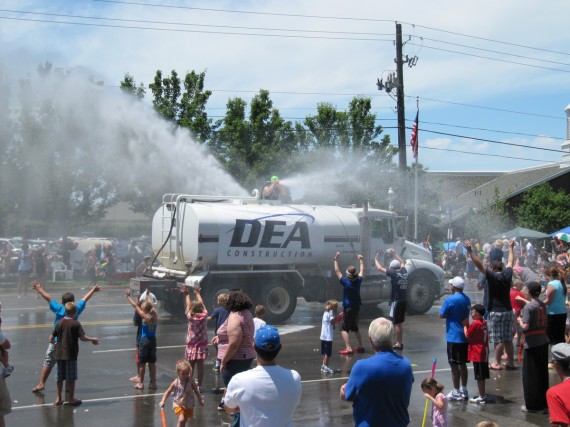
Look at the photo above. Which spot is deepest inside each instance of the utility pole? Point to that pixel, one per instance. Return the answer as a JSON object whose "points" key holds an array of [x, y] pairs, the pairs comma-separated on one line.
{"points": [[401, 117], [395, 80]]}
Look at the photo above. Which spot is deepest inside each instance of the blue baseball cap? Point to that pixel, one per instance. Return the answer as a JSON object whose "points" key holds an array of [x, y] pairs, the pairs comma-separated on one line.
{"points": [[267, 338]]}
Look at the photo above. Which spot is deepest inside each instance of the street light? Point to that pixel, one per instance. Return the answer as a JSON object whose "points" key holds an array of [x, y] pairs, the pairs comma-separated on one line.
{"points": [[390, 199]]}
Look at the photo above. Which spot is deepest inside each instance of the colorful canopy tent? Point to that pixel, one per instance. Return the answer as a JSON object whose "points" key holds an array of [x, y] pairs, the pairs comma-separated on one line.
{"points": [[521, 233], [564, 230]]}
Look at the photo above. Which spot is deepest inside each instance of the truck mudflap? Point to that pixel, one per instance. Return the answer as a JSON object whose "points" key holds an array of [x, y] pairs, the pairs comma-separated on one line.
{"points": [[161, 288]]}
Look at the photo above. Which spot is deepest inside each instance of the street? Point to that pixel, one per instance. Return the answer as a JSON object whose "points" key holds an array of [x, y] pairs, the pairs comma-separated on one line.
{"points": [[109, 398]]}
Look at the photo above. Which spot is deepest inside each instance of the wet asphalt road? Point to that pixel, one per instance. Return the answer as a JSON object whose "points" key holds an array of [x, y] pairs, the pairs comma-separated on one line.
{"points": [[109, 398]]}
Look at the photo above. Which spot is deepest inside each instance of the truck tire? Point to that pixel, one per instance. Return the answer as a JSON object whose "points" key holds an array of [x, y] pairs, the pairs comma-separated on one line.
{"points": [[280, 302], [420, 294]]}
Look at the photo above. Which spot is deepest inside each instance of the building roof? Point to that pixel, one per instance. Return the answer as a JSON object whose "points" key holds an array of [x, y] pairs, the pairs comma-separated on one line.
{"points": [[502, 187]]}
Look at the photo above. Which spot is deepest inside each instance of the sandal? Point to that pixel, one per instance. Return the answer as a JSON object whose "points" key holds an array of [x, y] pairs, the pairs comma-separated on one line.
{"points": [[345, 351], [58, 403], [76, 402], [37, 389], [495, 367], [139, 386]]}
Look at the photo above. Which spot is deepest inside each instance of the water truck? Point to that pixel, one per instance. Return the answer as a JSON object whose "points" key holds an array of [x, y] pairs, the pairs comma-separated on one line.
{"points": [[279, 252]]}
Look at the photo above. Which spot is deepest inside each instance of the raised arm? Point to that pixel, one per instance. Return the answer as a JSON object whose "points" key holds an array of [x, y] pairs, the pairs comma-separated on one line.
{"points": [[135, 305], [511, 260], [474, 256], [89, 294], [379, 266], [38, 287], [335, 265], [361, 265]]}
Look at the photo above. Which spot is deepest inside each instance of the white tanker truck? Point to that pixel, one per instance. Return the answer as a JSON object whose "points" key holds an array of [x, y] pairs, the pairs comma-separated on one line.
{"points": [[278, 252]]}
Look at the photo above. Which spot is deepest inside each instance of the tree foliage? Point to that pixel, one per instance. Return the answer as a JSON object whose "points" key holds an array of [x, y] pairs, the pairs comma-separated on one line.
{"points": [[543, 209]]}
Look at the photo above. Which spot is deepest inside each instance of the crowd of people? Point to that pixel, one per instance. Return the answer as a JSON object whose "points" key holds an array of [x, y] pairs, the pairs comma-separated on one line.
{"points": [[521, 304]]}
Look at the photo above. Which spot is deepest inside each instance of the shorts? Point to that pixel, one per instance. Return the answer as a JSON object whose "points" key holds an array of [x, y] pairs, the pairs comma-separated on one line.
{"points": [[397, 312], [66, 370], [5, 400], [457, 353], [500, 326], [350, 320], [235, 366], [326, 348], [185, 412], [49, 359], [481, 370], [147, 350]]}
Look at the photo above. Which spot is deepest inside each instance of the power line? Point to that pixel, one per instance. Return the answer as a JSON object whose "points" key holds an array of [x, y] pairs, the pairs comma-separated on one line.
{"points": [[274, 35], [484, 154], [178, 30], [489, 50], [340, 18], [512, 144], [486, 39], [493, 59], [196, 25]]}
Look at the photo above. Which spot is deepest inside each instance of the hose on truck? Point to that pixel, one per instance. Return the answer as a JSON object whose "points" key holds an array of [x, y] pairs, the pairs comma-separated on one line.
{"points": [[172, 222]]}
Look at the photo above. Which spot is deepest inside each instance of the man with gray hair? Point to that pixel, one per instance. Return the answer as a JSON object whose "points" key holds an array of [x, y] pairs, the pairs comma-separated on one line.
{"points": [[380, 386]]}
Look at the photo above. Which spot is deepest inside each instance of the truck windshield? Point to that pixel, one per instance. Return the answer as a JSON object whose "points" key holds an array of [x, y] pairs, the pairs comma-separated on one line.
{"points": [[382, 228]]}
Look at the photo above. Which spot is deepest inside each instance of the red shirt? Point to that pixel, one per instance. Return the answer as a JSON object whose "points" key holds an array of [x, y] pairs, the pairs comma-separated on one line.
{"points": [[478, 336], [516, 304], [558, 399]]}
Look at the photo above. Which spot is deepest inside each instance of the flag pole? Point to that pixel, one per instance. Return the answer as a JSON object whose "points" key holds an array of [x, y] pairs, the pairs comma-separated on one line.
{"points": [[416, 174]]}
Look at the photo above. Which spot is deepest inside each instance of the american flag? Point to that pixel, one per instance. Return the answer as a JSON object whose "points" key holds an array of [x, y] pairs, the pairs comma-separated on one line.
{"points": [[414, 139]]}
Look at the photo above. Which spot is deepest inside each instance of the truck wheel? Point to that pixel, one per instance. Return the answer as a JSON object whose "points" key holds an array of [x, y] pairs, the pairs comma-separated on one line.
{"points": [[420, 295], [280, 302]]}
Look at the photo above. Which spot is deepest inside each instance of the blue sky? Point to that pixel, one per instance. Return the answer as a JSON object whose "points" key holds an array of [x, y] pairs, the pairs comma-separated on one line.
{"points": [[488, 72]]}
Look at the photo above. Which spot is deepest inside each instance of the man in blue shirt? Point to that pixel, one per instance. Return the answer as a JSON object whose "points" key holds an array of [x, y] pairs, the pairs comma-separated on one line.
{"points": [[455, 310], [380, 386]]}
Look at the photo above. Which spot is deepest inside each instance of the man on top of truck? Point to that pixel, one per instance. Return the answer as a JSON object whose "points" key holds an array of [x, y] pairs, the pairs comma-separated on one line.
{"points": [[274, 190]]}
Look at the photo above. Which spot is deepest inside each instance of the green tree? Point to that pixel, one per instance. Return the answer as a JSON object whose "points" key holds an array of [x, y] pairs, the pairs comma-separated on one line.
{"points": [[57, 183], [543, 209], [186, 108], [129, 86]]}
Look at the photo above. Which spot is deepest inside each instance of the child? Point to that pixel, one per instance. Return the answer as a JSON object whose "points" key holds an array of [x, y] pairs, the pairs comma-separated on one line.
{"points": [[183, 388], [68, 332], [197, 338], [258, 321], [518, 301], [330, 318], [147, 343], [59, 311], [4, 347], [220, 315], [478, 336], [433, 391], [137, 321]]}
